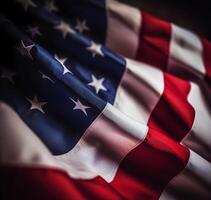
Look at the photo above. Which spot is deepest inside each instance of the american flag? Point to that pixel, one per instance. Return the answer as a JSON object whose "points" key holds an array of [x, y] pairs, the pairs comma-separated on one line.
{"points": [[99, 100]]}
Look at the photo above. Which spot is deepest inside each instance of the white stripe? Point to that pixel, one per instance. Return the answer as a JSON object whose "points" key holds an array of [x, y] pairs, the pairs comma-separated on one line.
{"points": [[194, 182], [98, 153], [18, 144], [185, 56], [139, 91], [103, 146], [199, 138], [123, 25]]}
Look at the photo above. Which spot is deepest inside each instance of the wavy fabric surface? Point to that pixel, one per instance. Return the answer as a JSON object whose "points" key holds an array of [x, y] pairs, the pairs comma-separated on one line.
{"points": [[99, 100]]}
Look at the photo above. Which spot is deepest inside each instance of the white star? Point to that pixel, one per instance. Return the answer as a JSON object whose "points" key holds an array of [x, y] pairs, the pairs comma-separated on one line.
{"points": [[81, 26], [64, 28], [46, 77], [25, 50], [95, 49], [62, 61], [35, 104], [80, 106], [26, 4], [8, 75], [97, 84], [50, 6], [33, 31]]}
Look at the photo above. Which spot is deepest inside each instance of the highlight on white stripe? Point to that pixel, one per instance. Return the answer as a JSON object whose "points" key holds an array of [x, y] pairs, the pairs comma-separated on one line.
{"points": [[194, 182], [200, 135], [186, 53], [18, 144], [123, 26], [103, 146], [139, 90]]}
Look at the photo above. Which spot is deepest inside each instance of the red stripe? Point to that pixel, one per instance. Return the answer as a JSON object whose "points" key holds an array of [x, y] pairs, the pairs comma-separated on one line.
{"points": [[173, 115], [41, 183], [154, 41], [146, 170], [207, 59]]}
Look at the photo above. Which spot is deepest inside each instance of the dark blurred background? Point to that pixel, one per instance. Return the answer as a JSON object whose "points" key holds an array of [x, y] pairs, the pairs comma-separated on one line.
{"points": [[194, 15]]}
